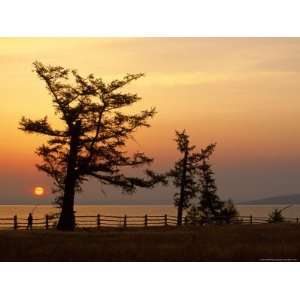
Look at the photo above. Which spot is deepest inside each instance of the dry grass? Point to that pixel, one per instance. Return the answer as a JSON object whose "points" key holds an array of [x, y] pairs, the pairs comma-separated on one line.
{"points": [[210, 243]]}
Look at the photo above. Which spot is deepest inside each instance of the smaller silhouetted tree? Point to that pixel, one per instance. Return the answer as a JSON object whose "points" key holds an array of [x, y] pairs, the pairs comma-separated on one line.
{"points": [[276, 216], [210, 204], [193, 215], [229, 213], [210, 207], [184, 173]]}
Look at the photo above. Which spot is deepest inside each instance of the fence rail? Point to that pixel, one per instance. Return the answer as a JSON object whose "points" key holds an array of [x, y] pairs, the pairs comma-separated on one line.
{"points": [[102, 221]]}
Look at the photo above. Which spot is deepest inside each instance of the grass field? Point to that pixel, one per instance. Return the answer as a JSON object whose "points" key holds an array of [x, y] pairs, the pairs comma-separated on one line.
{"points": [[208, 243]]}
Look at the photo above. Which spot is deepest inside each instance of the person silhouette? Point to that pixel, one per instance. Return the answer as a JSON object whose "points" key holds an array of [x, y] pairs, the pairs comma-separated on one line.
{"points": [[29, 222]]}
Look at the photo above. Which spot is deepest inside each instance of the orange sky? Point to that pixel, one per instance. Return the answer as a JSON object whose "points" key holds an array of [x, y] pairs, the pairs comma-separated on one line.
{"points": [[241, 93]]}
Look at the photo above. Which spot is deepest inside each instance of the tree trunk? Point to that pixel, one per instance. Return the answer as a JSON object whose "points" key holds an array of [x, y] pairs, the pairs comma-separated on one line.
{"points": [[67, 217], [182, 189]]}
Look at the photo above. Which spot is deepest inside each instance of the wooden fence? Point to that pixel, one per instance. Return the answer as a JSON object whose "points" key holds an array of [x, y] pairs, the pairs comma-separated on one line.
{"points": [[102, 221], [90, 221]]}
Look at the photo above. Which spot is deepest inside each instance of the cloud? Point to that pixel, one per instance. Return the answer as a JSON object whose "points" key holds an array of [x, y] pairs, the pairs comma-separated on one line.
{"points": [[281, 64]]}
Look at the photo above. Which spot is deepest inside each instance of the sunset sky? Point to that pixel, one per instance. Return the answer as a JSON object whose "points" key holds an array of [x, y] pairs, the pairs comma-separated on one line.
{"points": [[241, 93]]}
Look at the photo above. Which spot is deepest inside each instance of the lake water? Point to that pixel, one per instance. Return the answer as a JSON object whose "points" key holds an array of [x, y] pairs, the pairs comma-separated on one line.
{"points": [[136, 210]]}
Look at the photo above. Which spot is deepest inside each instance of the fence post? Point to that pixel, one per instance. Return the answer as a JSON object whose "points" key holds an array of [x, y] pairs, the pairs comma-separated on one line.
{"points": [[98, 221], [15, 222], [251, 221], [166, 220], [125, 221], [47, 222], [146, 221]]}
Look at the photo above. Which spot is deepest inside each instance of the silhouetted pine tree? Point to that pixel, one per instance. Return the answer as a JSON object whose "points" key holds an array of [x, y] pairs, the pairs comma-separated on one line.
{"points": [[91, 144], [193, 215], [229, 213], [184, 173], [276, 216], [210, 204]]}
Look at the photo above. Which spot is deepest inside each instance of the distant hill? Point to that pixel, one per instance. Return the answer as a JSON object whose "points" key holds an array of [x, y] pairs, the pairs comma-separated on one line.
{"points": [[284, 199]]}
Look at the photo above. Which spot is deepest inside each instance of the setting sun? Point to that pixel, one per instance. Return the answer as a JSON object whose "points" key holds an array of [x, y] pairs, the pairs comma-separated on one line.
{"points": [[39, 191]]}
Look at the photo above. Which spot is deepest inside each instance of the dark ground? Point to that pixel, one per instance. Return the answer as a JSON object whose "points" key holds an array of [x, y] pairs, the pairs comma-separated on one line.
{"points": [[208, 243]]}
